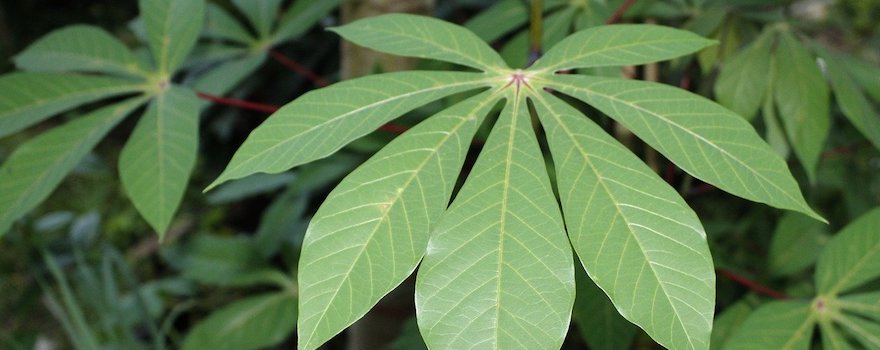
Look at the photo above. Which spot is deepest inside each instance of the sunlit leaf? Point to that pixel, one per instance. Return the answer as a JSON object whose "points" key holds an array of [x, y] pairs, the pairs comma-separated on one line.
{"points": [[255, 322], [783, 325], [79, 48], [627, 235], [498, 273], [157, 160], [372, 230], [29, 98], [37, 167], [851, 257], [172, 29], [864, 331]]}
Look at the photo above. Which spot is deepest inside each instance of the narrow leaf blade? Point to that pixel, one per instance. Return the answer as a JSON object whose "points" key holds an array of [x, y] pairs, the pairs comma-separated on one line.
{"points": [[743, 82], [79, 48], [642, 245], [371, 231], [851, 257], [252, 323], [158, 158], [424, 37], [853, 102], [498, 272], [172, 29], [796, 244], [301, 16], [784, 325], [703, 138], [38, 166], [802, 98], [261, 13], [620, 45], [221, 25], [29, 98], [320, 122]]}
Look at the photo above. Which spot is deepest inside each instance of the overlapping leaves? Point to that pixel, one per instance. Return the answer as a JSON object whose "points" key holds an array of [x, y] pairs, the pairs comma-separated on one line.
{"points": [[497, 271]]}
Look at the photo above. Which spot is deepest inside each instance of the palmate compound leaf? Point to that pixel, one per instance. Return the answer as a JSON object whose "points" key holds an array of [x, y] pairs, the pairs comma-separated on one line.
{"points": [[172, 29], [498, 273], [372, 230], [635, 235], [79, 48], [157, 160], [783, 325], [703, 138], [37, 167], [851, 257]]}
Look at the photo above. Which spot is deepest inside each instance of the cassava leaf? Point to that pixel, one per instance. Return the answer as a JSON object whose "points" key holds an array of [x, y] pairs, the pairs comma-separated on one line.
{"points": [[322, 121], [220, 25], [424, 37], [703, 138], [261, 13], [172, 29], [255, 322], [864, 331], [627, 235], [498, 273], [796, 244], [801, 96], [29, 98], [728, 322], [851, 257], [157, 160], [302, 15], [865, 304], [853, 102], [372, 230], [221, 79], [620, 45], [599, 323], [783, 325], [79, 48], [37, 167], [743, 81]]}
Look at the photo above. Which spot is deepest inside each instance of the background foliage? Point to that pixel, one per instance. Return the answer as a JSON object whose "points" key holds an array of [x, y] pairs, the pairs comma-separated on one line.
{"points": [[804, 73]]}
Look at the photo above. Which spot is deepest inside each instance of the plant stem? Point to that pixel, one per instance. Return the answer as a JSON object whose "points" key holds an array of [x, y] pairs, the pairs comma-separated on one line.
{"points": [[298, 68], [618, 14], [752, 285]]}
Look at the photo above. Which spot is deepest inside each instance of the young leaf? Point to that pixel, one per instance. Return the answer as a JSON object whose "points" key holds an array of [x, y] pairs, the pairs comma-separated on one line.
{"points": [[157, 160], [627, 236], [743, 81], [599, 323], [784, 325], [801, 95], [220, 25], [255, 322], [424, 37], [852, 257], [172, 29], [79, 48], [29, 98], [36, 168], [261, 13], [302, 15], [620, 45], [372, 230], [498, 272], [322, 121], [703, 138]]}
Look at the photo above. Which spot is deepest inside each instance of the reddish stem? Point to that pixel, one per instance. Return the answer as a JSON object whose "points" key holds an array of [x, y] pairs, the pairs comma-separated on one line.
{"points": [[298, 68], [754, 286], [237, 103], [618, 13]]}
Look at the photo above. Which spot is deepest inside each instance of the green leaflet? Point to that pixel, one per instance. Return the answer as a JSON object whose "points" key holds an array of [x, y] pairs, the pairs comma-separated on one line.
{"points": [[29, 98], [224, 77], [157, 160], [302, 15], [851, 257], [37, 167], [703, 138], [220, 25], [597, 319], [424, 37], [796, 244], [556, 26], [620, 45], [832, 337], [864, 331], [372, 230], [252, 323], [172, 29], [322, 121], [866, 304], [853, 102], [783, 325], [261, 13], [729, 322], [628, 236], [498, 273], [501, 18], [801, 96], [743, 81], [79, 48]]}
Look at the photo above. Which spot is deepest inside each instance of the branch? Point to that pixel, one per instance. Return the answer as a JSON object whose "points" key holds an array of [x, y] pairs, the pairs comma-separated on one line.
{"points": [[298, 68], [620, 11], [752, 285]]}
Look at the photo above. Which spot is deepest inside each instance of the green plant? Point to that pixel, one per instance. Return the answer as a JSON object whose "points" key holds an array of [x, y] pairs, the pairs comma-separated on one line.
{"points": [[497, 268]]}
